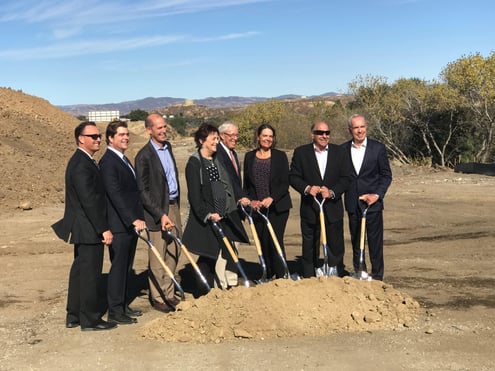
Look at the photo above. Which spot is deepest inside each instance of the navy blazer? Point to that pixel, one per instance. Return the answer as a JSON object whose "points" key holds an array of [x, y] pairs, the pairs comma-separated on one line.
{"points": [[85, 212], [153, 185], [279, 179], [375, 176], [304, 171], [124, 204]]}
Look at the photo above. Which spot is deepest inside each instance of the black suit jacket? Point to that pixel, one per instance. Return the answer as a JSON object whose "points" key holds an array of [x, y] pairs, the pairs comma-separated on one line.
{"points": [[279, 179], [123, 199], [304, 171], [235, 178], [374, 176], [153, 185], [85, 212]]}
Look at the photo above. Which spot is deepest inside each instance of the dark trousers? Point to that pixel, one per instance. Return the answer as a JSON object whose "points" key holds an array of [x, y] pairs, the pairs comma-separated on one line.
{"points": [[274, 264], [311, 245], [207, 267], [374, 236], [122, 252], [83, 299]]}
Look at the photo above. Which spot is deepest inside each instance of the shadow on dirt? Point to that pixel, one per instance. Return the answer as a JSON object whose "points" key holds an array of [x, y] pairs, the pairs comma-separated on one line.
{"points": [[443, 237], [461, 290]]}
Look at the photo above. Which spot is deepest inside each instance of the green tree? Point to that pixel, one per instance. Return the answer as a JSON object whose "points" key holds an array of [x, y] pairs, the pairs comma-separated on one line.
{"points": [[270, 112], [137, 115], [474, 78]]}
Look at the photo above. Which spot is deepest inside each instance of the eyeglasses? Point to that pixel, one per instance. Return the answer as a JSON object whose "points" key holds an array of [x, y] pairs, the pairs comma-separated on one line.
{"points": [[92, 136], [232, 135], [321, 132]]}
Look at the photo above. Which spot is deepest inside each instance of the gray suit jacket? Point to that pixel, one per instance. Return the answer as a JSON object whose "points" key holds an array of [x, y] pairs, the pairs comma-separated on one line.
{"points": [[153, 185]]}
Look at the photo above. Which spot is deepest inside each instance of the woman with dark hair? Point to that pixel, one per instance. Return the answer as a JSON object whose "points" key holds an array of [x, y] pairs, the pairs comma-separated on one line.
{"points": [[266, 182], [211, 198]]}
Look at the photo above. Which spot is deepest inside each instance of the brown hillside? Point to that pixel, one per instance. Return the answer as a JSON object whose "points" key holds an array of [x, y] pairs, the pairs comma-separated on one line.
{"points": [[36, 140]]}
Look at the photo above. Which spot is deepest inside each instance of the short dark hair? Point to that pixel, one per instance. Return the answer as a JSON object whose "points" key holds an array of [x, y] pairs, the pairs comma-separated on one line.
{"points": [[80, 128], [112, 129], [258, 133], [202, 133]]}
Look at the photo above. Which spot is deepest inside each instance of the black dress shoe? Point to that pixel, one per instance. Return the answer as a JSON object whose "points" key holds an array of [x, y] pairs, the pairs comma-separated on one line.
{"points": [[72, 324], [121, 319], [133, 312], [100, 326]]}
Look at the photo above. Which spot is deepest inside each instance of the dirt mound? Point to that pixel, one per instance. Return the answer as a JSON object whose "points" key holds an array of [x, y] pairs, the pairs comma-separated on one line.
{"points": [[285, 308], [36, 139]]}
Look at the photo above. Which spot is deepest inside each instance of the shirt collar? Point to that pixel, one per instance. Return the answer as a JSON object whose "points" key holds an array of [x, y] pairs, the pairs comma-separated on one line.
{"points": [[118, 153], [157, 147], [317, 150], [365, 143]]}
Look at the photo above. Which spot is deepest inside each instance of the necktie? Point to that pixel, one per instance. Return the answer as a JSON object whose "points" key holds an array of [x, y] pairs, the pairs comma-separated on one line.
{"points": [[96, 164], [128, 163], [234, 163]]}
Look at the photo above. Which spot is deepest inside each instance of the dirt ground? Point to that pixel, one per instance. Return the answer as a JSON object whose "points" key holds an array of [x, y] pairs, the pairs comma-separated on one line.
{"points": [[434, 311]]}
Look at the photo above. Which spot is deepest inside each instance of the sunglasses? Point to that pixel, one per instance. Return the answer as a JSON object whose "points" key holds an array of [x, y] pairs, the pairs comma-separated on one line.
{"points": [[92, 136], [321, 132]]}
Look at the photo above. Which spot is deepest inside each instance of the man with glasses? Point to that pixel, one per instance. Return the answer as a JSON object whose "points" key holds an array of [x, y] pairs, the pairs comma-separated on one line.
{"points": [[320, 169], [85, 225], [229, 135]]}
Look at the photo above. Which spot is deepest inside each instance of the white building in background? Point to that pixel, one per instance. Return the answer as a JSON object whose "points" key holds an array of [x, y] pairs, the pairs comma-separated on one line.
{"points": [[103, 116]]}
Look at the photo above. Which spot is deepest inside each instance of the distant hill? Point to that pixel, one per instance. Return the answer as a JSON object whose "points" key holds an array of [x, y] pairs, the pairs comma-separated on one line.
{"points": [[150, 103]]}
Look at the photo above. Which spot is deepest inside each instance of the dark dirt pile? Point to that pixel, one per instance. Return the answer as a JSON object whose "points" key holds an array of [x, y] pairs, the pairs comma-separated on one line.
{"points": [[286, 308]]}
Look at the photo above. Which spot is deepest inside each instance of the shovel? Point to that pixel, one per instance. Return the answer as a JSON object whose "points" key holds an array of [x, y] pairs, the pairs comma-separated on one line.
{"points": [[229, 247], [362, 274], [249, 216], [287, 275], [188, 256], [325, 270], [165, 267]]}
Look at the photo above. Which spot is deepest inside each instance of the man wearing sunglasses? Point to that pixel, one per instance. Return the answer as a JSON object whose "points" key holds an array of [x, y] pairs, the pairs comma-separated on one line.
{"points": [[320, 170], [85, 225]]}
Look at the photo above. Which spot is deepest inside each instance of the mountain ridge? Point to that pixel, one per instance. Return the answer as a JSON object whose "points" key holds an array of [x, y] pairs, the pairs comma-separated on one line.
{"points": [[152, 103]]}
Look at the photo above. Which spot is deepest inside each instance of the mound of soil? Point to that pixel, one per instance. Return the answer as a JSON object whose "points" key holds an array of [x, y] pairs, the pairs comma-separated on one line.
{"points": [[286, 308]]}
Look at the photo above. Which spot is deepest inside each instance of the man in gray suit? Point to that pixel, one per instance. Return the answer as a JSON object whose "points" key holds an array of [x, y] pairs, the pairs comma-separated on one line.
{"points": [[158, 183], [85, 225]]}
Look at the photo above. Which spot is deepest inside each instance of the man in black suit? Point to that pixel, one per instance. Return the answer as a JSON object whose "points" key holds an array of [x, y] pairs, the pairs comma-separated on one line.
{"points": [[229, 135], [320, 169], [158, 183], [125, 217], [85, 225], [371, 177]]}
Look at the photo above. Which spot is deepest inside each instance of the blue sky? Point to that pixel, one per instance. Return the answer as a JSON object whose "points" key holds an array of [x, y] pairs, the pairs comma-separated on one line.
{"points": [[94, 52]]}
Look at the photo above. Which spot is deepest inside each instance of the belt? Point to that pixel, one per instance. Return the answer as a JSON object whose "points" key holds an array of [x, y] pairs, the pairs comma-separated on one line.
{"points": [[172, 202]]}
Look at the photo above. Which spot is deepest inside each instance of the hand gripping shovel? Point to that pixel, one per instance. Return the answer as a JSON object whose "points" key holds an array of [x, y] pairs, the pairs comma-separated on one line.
{"points": [[362, 274], [325, 270], [249, 216], [287, 275], [189, 257], [229, 247], [157, 255]]}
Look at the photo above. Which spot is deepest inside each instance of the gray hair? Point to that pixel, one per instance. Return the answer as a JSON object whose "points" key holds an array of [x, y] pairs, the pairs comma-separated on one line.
{"points": [[225, 126], [353, 116]]}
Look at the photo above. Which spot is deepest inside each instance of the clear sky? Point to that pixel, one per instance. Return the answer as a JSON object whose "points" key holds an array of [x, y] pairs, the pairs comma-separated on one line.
{"points": [[95, 52]]}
